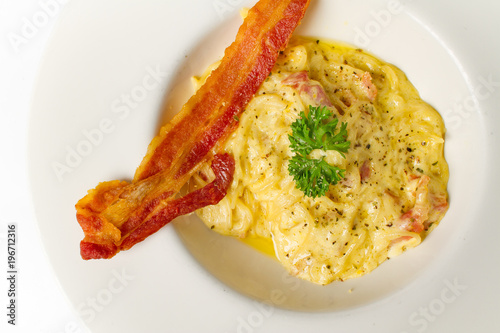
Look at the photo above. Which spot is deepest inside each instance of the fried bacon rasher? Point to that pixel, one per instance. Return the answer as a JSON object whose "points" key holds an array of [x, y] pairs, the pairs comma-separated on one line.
{"points": [[117, 214]]}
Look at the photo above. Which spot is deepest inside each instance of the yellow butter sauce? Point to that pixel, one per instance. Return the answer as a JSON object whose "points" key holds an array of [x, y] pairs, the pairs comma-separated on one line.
{"points": [[261, 244]]}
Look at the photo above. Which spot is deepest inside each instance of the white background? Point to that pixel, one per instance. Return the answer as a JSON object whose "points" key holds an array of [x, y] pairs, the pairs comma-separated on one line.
{"points": [[41, 304]]}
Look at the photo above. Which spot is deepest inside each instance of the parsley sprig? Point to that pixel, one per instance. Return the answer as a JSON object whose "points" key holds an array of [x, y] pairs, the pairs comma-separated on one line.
{"points": [[316, 131]]}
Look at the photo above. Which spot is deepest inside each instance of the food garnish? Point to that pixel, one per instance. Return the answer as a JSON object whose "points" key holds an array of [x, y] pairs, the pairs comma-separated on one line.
{"points": [[314, 176], [118, 214]]}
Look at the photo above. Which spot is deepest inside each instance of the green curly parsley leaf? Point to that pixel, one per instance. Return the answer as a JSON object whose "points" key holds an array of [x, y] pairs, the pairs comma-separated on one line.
{"points": [[314, 176], [314, 131]]}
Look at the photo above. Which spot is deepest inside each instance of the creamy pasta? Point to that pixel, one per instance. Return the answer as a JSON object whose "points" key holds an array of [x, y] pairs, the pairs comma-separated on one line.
{"points": [[394, 190]]}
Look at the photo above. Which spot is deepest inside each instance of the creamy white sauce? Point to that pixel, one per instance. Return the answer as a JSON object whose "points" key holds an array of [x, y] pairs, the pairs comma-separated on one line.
{"points": [[394, 190]]}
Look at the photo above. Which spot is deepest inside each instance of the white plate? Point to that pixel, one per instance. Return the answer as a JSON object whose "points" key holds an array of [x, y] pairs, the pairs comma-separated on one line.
{"points": [[112, 65]]}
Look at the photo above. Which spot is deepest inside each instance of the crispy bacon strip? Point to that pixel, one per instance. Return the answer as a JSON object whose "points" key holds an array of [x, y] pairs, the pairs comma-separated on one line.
{"points": [[245, 65], [116, 215], [211, 194]]}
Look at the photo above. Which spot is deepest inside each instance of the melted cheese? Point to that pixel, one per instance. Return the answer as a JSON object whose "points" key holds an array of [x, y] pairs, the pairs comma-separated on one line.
{"points": [[394, 190]]}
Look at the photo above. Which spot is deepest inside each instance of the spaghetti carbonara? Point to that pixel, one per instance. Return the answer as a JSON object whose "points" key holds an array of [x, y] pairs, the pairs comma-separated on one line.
{"points": [[394, 190]]}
